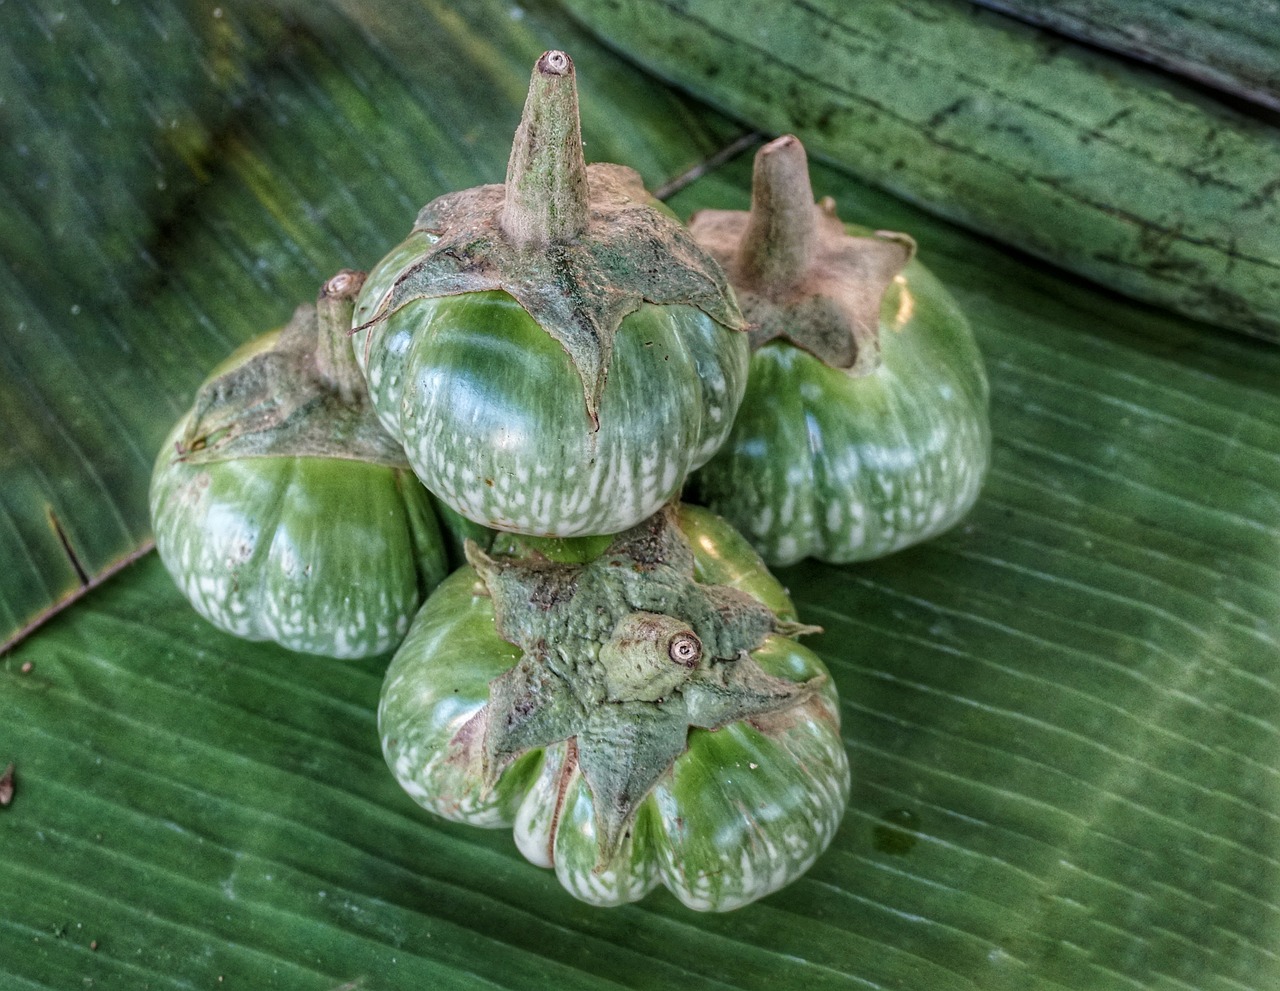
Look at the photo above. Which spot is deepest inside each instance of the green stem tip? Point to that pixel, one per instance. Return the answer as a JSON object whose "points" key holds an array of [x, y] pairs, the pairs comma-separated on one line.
{"points": [[546, 187], [335, 360], [778, 244]]}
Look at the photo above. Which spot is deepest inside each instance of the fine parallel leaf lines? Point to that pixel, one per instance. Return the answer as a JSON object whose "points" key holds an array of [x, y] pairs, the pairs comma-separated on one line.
{"points": [[263, 813], [1174, 408], [196, 927], [91, 899], [888, 945], [1056, 583], [1117, 760], [740, 949], [1073, 421], [1026, 633], [1105, 703], [1070, 463], [1049, 312], [1054, 524], [133, 864], [1150, 724]]}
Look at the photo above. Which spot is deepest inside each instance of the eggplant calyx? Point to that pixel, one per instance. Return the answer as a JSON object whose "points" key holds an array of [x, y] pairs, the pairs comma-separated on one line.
{"points": [[798, 273], [297, 392], [623, 655], [578, 246]]}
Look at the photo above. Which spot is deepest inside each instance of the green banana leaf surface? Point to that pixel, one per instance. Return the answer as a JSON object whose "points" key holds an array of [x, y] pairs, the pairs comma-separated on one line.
{"points": [[1062, 716], [1126, 176], [1227, 44]]}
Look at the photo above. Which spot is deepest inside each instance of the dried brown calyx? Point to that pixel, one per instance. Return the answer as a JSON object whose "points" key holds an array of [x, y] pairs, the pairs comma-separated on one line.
{"points": [[797, 272], [297, 392], [578, 246]]}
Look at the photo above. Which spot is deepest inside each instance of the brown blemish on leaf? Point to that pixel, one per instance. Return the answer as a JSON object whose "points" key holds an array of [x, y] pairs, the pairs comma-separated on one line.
{"points": [[6, 786]]}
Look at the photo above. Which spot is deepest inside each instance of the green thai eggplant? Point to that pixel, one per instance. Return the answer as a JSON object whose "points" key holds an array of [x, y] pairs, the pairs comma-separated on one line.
{"points": [[864, 428], [281, 507], [636, 708], [556, 354]]}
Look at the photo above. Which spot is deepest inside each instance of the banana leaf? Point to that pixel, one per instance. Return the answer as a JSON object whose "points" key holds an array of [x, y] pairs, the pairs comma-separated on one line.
{"points": [[1113, 171], [1062, 715], [1227, 44]]}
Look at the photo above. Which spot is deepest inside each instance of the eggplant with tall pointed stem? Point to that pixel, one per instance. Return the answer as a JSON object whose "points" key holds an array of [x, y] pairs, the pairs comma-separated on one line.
{"points": [[281, 507], [555, 353], [864, 428]]}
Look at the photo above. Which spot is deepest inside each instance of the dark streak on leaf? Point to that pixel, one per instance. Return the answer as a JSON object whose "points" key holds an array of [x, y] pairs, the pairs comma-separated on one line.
{"points": [[729, 152], [67, 549], [88, 583]]}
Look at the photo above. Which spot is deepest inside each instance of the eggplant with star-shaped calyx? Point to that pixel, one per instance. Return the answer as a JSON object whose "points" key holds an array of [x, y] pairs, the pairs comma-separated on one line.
{"points": [[864, 428], [639, 711], [281, 507], [555, 353]]}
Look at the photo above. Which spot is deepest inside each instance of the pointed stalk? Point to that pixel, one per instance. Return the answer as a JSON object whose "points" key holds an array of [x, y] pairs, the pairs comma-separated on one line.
{"points": [[335, 359], [778, 244], [798, 272], [546, 187]]}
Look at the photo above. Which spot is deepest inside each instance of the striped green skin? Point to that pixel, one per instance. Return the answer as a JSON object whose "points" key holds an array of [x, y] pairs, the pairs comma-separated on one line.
{"points": [[492, 415], [321, 555], [1097, 165], [743, 811], [842, 468]]}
